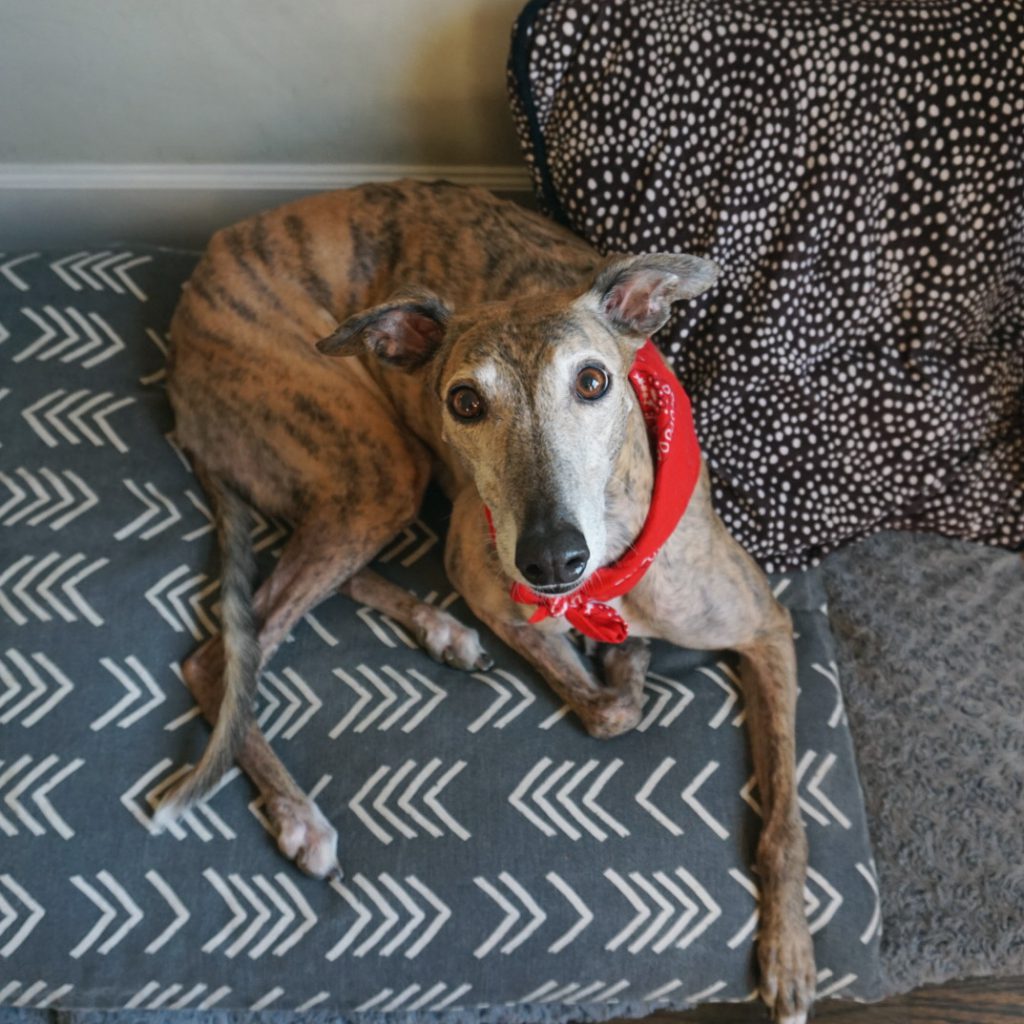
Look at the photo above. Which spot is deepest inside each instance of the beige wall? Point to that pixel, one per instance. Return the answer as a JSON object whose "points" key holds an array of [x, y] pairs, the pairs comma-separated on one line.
{"points": [[252, 81], [160, 120]]}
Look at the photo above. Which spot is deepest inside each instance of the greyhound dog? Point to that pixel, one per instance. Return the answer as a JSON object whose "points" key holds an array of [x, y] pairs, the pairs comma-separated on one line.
{"points": [[493, 350]]}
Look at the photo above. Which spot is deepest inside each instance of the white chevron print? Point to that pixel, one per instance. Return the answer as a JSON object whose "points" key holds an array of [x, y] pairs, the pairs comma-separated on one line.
{"points": [[181, 914], [828, 811], [690, 799], [418, 534], [110, 915], [643, 797], [65, 417], [747, 795], [204, 510], [827, 903], [7, 269], [193, 821], [746, 930], [385, 629], [267, 999], [100, 270], [161, 342], [407, 713], [282, 906], [680, 919], [154, 995], [726, 680], [40, 496], [180, 596], [415, 998], [831, 673], [124, 712], [267, 531], [585, 811], [661, 994], [513, 914], [28, 585], [321, 631], [316, 1000], [157, 505], [874, 928], [34, 782], [297, 696], [585, 913], [660, 709], [835, 987], [19, 915], [38, 995], [574, 993], [507, 687], [18, 674], [386, 807], [72, 336], [392, 900]]}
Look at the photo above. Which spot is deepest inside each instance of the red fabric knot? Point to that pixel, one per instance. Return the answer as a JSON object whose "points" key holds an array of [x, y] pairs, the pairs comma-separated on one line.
{"points": [[666, 410]]}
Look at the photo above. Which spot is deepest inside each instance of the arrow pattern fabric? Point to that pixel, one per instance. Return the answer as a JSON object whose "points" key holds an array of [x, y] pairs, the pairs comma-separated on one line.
{"points": [[494, 854]]}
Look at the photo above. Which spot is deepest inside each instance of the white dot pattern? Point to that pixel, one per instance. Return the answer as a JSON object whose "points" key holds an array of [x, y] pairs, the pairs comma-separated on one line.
{"points": [[857, 168]]}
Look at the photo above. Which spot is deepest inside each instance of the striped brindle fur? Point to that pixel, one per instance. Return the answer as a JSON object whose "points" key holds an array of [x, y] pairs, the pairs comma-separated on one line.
{"points": [[315, 356]]}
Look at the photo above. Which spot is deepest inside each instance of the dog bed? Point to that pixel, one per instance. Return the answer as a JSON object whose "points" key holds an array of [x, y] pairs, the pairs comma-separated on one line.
{"points": [[495, 855], [855, 168]]}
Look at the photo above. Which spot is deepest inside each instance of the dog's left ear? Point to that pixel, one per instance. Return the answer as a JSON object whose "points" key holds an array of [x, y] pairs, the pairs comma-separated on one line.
{"points": [[635, 293], [405, 331]]}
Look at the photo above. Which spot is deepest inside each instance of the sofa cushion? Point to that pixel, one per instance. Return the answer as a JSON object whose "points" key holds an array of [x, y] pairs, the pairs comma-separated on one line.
{"points": [[494, 854], [855, 169]]}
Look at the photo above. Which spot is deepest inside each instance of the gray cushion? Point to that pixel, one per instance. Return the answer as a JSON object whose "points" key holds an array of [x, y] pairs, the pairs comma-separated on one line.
{"points": [[494, 853]]}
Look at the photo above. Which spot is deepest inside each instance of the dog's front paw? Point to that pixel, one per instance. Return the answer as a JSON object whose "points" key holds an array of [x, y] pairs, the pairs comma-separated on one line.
{"points": [[305, 836], [612, 718], [448, 641], [786, 957]]}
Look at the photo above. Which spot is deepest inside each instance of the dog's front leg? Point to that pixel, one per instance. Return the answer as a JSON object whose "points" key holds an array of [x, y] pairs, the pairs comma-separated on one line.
{"points": [[785, 951], [441, 635], [604, 710]]}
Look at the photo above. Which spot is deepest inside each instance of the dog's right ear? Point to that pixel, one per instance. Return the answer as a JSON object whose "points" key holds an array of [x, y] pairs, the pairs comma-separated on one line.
{"points": [[405, 331]]}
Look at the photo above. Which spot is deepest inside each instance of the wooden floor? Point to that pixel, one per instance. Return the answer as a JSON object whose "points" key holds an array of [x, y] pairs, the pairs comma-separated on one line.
{"points": [[982, 1001]]}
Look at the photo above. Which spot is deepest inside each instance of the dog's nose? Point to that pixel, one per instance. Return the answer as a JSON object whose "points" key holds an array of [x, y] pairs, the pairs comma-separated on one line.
{"points": [[552, 557]]}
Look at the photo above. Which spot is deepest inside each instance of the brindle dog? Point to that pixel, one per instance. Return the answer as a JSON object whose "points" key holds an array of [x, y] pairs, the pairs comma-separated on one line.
{"points": [[512, 391]]}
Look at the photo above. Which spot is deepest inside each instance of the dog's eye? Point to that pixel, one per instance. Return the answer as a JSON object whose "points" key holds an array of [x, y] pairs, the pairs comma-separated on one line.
{"points": [[591, 383], [465, 404]]}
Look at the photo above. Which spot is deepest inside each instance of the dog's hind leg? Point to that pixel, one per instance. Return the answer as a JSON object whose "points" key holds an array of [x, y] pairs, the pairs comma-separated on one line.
{"points": [[315, 562], [303, 834], [785, 950], [441, 635]]}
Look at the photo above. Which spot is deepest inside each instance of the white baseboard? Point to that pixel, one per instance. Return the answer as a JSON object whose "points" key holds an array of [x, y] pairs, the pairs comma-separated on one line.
{"points": [[52, 205]]}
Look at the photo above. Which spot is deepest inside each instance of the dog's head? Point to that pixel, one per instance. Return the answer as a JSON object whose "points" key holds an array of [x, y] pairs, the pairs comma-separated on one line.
{"points": [[535, 399]]}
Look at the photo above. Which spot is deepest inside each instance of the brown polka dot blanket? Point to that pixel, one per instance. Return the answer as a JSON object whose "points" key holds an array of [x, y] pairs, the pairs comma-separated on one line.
{"points": [[858, 171]]}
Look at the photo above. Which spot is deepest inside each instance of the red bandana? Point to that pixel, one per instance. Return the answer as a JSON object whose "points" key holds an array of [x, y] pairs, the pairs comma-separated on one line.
{"points": [[666, 409]]}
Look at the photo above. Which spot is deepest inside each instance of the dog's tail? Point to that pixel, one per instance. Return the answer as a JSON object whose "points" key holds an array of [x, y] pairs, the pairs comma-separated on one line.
{"points": [[241, 654]]}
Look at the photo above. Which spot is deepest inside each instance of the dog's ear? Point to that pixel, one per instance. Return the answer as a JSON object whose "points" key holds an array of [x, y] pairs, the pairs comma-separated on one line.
{"points": [[635, 293], [405, 331]]}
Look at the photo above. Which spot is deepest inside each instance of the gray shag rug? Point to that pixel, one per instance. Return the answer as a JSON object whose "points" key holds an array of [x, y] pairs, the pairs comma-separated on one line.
{"points": [[930, 640]]}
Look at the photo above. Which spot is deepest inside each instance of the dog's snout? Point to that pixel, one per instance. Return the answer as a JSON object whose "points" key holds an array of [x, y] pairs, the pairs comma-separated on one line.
{"points": [[552, 557]]}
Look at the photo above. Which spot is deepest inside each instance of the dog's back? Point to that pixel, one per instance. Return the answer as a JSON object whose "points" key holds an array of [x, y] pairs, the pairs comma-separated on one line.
{"points": [[267, 289]]}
